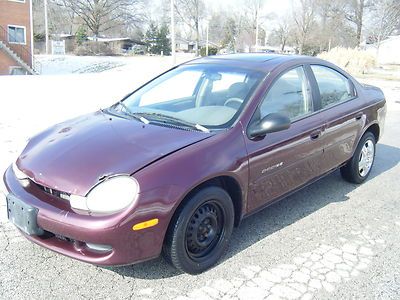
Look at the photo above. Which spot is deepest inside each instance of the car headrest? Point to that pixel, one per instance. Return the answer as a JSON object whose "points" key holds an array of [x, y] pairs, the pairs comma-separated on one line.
{"points": [[238, 90]]}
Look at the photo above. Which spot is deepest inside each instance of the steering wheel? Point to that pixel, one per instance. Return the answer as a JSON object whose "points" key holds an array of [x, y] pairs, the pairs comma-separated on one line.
{"points": [[235, 101]]}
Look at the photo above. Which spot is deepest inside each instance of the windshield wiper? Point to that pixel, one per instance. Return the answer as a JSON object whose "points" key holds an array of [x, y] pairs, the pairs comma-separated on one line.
{"points": [[174, 120], [132, 114]]}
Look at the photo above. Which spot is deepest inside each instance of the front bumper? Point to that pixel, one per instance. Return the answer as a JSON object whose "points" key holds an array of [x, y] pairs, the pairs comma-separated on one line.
{"points": [[69, 233]]}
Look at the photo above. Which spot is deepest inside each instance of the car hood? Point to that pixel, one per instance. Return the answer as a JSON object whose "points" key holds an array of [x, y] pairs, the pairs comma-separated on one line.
{"points": [[75, 155]]}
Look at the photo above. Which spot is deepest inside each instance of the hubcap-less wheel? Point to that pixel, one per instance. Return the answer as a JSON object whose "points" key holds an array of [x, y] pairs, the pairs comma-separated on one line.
{"points": [[200, 229], [366, 158], [204, 230]]}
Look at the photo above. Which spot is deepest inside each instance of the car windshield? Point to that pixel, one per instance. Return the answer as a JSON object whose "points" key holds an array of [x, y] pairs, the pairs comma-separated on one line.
{"points": [[202, 96]]}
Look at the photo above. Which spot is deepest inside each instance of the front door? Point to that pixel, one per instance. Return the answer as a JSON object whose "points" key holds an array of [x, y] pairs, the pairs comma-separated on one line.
{"points": [[285, 160]]}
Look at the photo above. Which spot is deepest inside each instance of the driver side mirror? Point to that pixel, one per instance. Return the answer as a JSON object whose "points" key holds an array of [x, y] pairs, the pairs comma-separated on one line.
{"points": [[270, 123]]}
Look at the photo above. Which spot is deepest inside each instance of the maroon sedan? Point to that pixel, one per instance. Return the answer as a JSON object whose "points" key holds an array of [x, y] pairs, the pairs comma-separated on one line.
{"points": [[176, 164]]}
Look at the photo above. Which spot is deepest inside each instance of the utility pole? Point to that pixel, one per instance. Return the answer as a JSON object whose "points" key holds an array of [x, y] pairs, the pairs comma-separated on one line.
{"points": [[46, 27], [208, 27], [257, 23], [173, 50]]}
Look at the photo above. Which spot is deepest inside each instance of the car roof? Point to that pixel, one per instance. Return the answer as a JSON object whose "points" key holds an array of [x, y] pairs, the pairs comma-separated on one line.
{"points": [[259, 61], [250, 57]]}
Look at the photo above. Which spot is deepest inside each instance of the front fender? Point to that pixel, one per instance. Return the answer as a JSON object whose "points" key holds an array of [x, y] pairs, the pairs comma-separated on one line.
{"points": [[179, 173]]}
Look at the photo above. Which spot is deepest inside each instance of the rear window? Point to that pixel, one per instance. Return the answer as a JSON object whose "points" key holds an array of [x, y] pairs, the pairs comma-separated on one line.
{"points": [[333, 87]]}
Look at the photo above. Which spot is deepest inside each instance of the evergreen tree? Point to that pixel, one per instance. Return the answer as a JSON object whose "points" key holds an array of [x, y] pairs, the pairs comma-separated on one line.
{"points": [[81, 35], [230, 33], [163, 42], [157, 39], [151, 37]]}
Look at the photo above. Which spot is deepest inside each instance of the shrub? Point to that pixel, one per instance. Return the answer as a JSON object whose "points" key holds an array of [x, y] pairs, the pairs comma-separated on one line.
{"points": [[94, 48], [81, 35], [353, 61], [211, 51], [39, 37]]}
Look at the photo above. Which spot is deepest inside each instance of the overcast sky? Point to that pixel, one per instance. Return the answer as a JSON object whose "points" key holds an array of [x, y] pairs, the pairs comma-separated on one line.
{"points": [[268, 6], [279, 7]]}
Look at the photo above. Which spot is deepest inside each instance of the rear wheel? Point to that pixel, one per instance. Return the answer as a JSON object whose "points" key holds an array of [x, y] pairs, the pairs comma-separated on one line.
{"points": [[359, 166], [199, 233]]}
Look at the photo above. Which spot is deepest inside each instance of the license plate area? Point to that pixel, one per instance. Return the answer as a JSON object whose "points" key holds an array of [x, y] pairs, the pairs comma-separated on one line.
{"points": [[23, 215]]}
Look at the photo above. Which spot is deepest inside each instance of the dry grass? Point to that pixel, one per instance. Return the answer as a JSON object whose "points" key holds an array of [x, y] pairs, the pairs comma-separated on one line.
{"points": [[353, 61]]}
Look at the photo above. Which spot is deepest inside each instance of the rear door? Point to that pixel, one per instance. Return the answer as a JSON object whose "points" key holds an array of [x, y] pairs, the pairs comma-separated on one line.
{"points": [[341, 110], [285, 160]]}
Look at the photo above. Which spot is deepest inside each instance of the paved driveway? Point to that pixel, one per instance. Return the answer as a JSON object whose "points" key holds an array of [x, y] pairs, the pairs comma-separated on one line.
{"points": [[331, 240]]}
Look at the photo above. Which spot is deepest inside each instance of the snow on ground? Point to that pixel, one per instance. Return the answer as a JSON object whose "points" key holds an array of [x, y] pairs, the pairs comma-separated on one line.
{"points": [[71, 85], [70, 64], [68, 87]]}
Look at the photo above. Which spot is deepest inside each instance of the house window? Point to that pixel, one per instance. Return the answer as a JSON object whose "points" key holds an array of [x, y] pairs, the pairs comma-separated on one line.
{"points": [[16, 34], [18, 71]]}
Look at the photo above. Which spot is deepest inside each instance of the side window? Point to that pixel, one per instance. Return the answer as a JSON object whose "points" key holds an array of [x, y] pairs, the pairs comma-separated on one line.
{"points": [[333, 86], [290, 95]]}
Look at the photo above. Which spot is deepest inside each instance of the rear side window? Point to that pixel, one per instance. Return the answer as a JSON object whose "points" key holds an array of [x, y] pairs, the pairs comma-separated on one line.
{"points": [[333, 86]]}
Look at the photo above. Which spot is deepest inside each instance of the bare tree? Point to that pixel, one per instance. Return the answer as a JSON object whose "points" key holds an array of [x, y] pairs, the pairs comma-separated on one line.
{"points": [[385, 20], [190, 12], [304, 17], [332, 28], [354, 12], [102, 15], [284, 31], [217, 26], [60, 18], [327, 11], [252, 19]]}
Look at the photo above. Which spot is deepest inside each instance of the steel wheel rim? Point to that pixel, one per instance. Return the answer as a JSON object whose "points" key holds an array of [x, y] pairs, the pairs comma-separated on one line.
{"points": [[366, 158], [204, 230]]}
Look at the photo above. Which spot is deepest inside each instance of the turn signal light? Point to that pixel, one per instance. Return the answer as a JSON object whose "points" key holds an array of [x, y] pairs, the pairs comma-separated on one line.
{"points": [[145, 224]]}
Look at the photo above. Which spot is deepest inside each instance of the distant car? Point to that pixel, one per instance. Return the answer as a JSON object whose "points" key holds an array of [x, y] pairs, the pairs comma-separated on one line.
{"points": [[138, 49], [176, 164]]}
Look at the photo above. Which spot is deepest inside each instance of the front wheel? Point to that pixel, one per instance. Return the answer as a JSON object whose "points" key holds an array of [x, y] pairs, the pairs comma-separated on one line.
{"points": [[200, 232], [359, 166]]}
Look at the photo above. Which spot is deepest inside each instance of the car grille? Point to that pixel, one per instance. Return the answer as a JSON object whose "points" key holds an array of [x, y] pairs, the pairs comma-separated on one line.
{"points": [[53, 192]]}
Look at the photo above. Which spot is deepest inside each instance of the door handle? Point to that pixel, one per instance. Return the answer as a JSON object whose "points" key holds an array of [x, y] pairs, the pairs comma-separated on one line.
{"points": [[359, 116], [315, 134]]}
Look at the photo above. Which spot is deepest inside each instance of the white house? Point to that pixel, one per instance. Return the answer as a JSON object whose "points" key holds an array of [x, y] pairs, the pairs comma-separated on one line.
{"points": [[389, 51]]}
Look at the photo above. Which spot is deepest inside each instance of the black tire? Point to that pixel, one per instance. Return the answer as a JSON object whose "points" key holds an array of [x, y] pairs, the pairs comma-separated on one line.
{"points": [[200, 231], [351, 171]]}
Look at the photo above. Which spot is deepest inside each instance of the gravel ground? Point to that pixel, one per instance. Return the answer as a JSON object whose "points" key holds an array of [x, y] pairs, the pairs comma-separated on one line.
{"points": [[331, 240]]}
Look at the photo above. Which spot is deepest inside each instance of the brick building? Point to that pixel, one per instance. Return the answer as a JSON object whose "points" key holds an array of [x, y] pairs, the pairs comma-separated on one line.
{"points": [[16, 39]]}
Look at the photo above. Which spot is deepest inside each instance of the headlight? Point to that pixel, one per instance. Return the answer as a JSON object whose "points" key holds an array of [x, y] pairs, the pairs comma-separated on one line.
{"points": [[18, 173], [110, 196]]}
